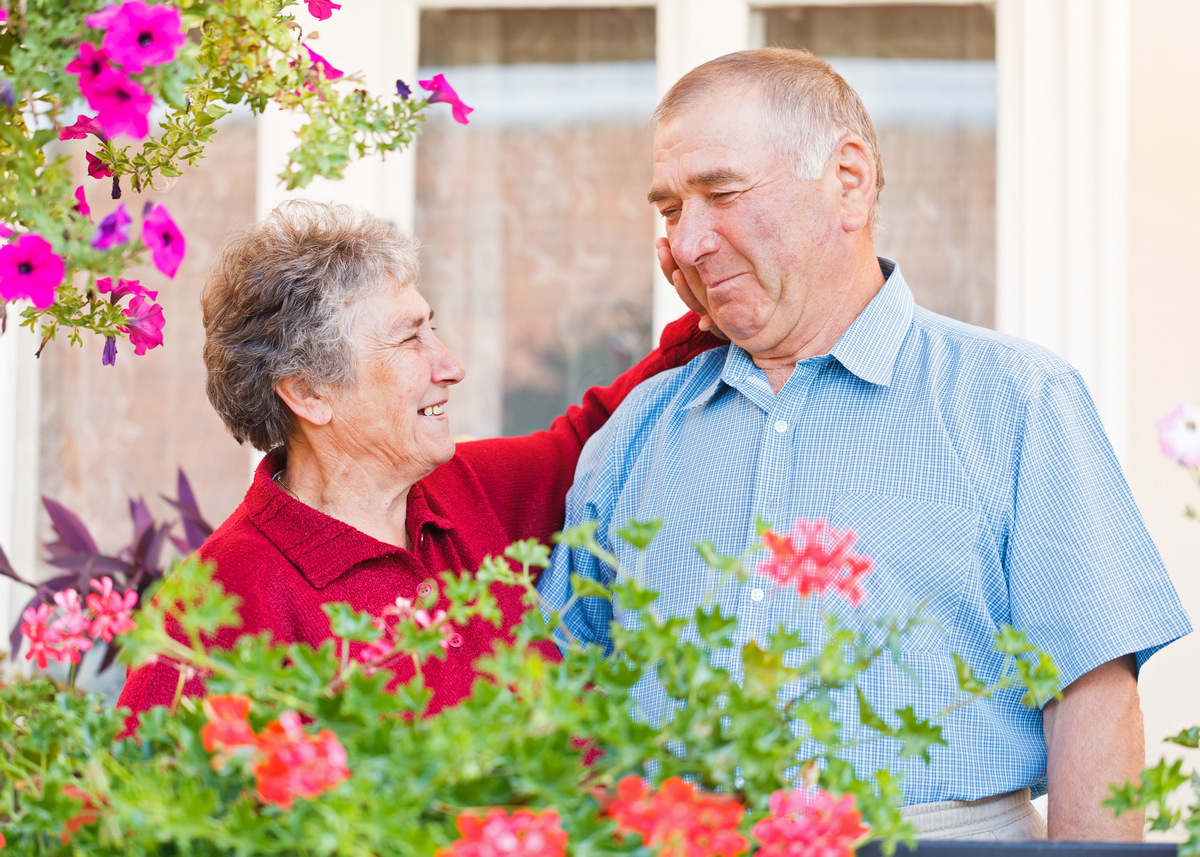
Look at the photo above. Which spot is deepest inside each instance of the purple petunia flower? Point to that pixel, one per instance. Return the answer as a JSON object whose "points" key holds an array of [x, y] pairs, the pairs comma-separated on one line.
{"points": [[30, 270], [81, 204], [124, 287], [320, 62], [122, 105], [110, 351], [403, 89], [139, 35], [97, 169], [8, 95], [145, 324], [321, 9], [443, 92], [83, 126], [113, 230], [88, 65], [166, 242]]}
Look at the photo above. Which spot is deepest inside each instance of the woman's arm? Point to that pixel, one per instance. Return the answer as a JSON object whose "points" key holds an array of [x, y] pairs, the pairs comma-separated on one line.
{"points": [[527, 478]]}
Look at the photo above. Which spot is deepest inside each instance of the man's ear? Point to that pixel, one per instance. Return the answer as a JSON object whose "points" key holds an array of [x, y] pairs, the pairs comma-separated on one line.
{"points": [[855, 168], [303, 401]]}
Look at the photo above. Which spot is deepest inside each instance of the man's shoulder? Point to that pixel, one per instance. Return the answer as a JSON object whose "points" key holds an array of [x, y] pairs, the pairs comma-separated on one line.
{"points": [[674, 389]]}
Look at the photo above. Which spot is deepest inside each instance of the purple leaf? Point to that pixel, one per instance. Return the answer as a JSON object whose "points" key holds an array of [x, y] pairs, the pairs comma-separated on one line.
{"points": [[181, 545], [7, 570], [195, 528], [69, 528], [93, 564], [114, 648], [142, 519]]}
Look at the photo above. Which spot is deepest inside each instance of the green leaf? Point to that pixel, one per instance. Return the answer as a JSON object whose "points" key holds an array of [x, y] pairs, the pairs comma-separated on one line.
{"points": [[1010, 641], [585, 587], [640, 533], [714, 628], [1186, 738], [762, 526], [967, 682], [529, 552], [867, 715], [716, 560], [916, 736], [351, 624]]}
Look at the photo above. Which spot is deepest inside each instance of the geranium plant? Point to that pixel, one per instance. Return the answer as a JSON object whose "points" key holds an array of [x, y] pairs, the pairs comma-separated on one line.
{"points": [[144, 85], [302, 751]]}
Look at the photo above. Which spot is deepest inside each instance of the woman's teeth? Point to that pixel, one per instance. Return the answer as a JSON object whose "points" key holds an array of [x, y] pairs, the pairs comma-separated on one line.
{"points": [[432, 411]]}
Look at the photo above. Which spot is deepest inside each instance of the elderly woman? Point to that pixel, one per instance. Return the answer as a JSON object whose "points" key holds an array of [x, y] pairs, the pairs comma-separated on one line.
{"points": [[321, 352]]}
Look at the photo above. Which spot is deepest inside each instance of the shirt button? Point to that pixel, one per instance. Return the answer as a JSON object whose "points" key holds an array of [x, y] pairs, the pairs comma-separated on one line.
{"points": [[456, 640], [781, 426], [756, 594], [424, 589]]}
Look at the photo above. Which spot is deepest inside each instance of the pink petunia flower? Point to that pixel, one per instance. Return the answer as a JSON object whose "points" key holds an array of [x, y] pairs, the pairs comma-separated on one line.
{"points": [[113, 614], [30, 270], [42, 636], [145, 324], [83, 126], [319, 62], [97, 169], [321, 9], [443, 92], [166, 242], [122, 105], [124, 287], [113, 229], [81, 204], [1179, 434], [103, 19], [139, 35], [88, 65]]}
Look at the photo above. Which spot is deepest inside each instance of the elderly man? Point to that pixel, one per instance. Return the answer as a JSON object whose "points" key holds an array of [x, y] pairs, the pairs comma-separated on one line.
{"points": [[972, 465]]}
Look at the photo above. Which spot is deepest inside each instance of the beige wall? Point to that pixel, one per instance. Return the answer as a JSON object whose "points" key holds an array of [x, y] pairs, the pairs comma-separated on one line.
{"points": [[1164, 313]]}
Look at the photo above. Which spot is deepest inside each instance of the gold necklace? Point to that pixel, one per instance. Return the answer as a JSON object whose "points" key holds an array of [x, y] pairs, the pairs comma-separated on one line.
{"points": [[278, 480]]}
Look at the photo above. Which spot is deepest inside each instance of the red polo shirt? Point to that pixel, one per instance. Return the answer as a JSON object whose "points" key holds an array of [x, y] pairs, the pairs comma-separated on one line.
{"points": [[285, 559]]}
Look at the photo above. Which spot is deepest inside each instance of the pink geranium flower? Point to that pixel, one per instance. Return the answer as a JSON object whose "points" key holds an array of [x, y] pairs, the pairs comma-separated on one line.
{"points": [[113, 229], [1179, 434], [139, 35], [815, 558], [319, 62], [322, 9], [88, 65], [523, 834], [145, 324], [71, 625], [122, 105], [166, 242], [809, 824], [112, 612], [443, 92], [124, 287], [83, 126], [42, 636], [97, 169], [30, 270], [81, 204], [294, 764]]}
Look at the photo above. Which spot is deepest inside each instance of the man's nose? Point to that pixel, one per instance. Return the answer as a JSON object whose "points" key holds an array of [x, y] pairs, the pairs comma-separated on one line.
{"points": [[693, 236]]}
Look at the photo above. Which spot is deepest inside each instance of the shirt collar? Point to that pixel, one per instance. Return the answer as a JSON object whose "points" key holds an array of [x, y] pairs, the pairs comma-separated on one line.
{"points": [[321, 547]]}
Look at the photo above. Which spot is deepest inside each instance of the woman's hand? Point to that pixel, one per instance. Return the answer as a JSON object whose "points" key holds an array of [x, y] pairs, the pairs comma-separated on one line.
{"points": [[687, 285]]}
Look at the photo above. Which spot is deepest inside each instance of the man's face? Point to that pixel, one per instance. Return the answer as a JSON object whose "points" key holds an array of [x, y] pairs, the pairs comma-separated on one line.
{"points": [[759, 238]]}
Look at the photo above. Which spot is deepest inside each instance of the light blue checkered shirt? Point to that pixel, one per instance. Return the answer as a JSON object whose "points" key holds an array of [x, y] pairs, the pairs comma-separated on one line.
{"points": [[973, 467]]}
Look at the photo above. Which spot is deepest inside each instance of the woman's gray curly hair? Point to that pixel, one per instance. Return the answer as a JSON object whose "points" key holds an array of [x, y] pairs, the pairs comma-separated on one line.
{"points": [[280, 302]]}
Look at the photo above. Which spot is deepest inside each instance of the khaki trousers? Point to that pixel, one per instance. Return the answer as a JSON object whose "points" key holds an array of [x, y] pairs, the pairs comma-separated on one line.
{"points": [[1005, 817]]}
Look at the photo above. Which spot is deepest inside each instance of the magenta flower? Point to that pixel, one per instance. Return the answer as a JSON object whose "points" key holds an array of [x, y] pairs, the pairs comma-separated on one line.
{"points": [[442, 91], [109, 358], [164, 239], [113, 613], [4, 17], [43, 638], [140, 35], [122, 105], [30, 270], [1179, 434], [81, 203], [145, 325], [103, 19], [97, 169], [113, 230], [83, 126], [321, 9], [5, 230], [319, 62], [124, 287], [88, 65]]}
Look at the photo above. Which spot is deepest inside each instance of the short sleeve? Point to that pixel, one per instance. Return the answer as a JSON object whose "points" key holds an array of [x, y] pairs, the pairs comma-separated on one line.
{"points": [[1085, 580]]}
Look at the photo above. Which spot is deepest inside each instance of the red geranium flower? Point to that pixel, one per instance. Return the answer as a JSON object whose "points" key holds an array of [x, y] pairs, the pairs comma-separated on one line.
{"points": [[816, 558], [295, 764], [30, 270], [88, 65], [166, 242], [122, 105], [679, 819], [803, 824], [227, 729], [89, 813], [523, 834], [442, 91], [140, 35], [322, 9]]}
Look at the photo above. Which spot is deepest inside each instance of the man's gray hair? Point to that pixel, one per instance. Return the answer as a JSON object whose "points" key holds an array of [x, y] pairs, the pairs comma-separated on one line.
{"points": [[808, 106], [281, 302]]}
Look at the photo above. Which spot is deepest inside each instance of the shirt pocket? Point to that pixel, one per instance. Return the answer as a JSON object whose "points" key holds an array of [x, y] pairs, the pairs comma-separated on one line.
{"points": [[923, 555]]}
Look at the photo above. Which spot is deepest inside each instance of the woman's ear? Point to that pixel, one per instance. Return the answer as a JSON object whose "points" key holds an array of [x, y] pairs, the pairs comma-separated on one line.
{"points": [[303, 401], [856, 174]]}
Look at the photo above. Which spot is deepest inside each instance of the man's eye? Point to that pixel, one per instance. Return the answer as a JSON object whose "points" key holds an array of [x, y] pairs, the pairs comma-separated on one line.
{"points": [[669, 212]]}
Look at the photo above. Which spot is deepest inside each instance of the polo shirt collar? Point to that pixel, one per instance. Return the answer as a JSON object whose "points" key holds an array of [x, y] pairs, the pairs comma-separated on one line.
{"points": [[320, 547]]}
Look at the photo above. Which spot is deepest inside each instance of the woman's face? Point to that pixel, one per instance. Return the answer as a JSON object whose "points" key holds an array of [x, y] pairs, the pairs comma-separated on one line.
{"points": [[395, 414]]}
